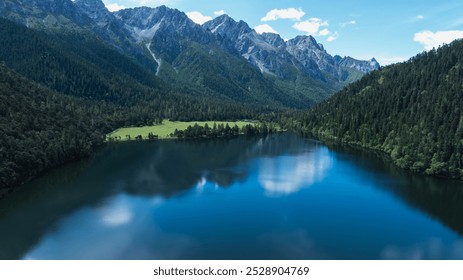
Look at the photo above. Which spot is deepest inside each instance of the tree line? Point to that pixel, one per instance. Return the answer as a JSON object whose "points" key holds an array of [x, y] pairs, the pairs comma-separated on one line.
{"points": [[61, 93], [412, 111], [224, 130], [41, 129]]}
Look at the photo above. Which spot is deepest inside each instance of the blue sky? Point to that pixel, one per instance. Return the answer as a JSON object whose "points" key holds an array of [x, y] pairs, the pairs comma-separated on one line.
{"points": [[390, 31]]}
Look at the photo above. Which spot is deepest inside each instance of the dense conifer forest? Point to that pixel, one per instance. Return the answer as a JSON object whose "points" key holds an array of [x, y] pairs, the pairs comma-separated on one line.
{"points": [[62, 93], [411, 111], [221, 130], [41, 129], [59, 100]]}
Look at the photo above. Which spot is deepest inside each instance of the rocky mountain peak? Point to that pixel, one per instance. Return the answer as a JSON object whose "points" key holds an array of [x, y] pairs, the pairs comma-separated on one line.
{"points": [[37, 13], [91, 4], [164, 31], [167, 33], [305, 42], [144, 17], [312, 56], [360, 65], [274, 40], [96, 10], [374, 63], [227, 26], [222, 21], [258, 49]]}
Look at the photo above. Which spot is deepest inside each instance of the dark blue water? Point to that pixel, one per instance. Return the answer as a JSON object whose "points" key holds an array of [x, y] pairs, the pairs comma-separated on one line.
{"points": [[281, 197]]}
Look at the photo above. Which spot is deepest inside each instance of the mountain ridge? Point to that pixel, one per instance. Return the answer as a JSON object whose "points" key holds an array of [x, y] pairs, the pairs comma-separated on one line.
{"points": [[157, 38], [302, 52]]}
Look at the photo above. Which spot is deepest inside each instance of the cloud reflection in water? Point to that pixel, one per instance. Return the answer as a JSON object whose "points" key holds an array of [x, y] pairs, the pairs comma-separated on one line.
{"points": [[286, 175], [121, 229], [116, 214]]}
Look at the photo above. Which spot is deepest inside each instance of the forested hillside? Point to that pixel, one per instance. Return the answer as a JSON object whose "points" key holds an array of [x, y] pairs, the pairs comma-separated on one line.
{"points": [[41, 129], [84, 67], [65, 93], [412, 111], [71, 72]]}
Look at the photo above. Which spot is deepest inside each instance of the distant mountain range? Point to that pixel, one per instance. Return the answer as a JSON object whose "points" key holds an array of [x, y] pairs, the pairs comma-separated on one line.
{"points": [[222, 59]]}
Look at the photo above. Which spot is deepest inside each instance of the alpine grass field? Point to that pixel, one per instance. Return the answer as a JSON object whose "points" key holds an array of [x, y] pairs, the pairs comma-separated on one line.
{"points": [[164, 130]]}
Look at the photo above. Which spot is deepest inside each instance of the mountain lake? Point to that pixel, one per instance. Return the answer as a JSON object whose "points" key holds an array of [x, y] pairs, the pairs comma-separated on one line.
{"points": [[275, 197]]}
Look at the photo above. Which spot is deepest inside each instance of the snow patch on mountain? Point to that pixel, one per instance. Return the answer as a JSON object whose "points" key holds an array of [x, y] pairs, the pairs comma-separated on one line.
{"points": [[158, 60], [146, 34]]}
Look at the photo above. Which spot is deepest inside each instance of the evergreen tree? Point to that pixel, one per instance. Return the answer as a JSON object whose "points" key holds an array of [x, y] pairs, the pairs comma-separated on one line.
{"points": [[412, 111]]}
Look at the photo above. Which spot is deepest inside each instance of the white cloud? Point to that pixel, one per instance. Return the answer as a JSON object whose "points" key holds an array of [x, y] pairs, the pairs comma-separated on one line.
{"points": [[310, 26], [431, 39], [333, 37], [198, 17], [344, 24], [290, 13], [265, 28], [390, 60], [113, 7], [219, 13], [419, 17], [324, 32]]}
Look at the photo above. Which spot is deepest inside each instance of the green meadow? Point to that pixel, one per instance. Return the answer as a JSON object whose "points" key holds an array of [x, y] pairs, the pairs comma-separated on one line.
{"points": [[164, 130]]}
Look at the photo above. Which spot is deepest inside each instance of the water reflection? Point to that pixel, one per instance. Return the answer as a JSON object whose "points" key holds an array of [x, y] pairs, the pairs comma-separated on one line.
{"points": [[289, 174], [295, 244], [433, 248], [117, 213], [439, 198], [161, 169], [113, 231], [279, 197]]}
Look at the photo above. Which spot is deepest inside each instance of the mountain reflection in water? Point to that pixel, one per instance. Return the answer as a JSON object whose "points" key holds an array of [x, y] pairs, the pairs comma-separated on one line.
{"points": [[278, 197]]}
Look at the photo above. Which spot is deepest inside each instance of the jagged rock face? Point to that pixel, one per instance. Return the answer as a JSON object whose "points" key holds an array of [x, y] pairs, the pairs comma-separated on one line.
{"points": [[153, 19], [360, 65], [43, 14], [244, 39], [166, 31], [228, 27], [273, 55], [312, 55], [112, 30], [67, 15], [374, 64], [106, 24], [96, 10], [265, 51], [274, 40]]}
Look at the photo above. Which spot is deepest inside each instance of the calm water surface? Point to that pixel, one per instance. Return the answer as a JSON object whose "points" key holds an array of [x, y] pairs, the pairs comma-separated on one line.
{"points": [[280, 197]]}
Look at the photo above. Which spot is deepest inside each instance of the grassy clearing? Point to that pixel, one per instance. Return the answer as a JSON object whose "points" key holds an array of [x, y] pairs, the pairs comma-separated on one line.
{"points": [[164, 130]]}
